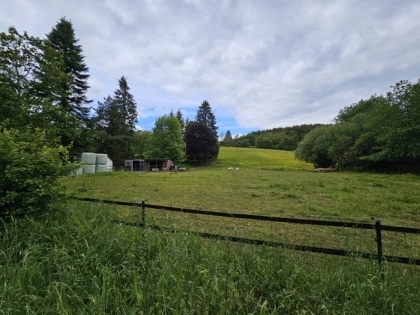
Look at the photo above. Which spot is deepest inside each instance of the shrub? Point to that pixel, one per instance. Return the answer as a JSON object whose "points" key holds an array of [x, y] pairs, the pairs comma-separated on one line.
{"points": [[31, 167]]}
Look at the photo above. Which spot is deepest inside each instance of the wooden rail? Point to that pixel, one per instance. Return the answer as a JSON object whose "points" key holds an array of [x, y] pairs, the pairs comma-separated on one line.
{"points": [[376, 225]]}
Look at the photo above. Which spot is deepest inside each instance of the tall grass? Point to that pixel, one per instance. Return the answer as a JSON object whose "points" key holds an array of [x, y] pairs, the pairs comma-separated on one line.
{"points": [[78, 261]]}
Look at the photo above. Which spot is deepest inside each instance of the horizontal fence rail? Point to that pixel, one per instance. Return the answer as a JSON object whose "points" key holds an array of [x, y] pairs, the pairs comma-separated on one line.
{"points": [[377, 226]]}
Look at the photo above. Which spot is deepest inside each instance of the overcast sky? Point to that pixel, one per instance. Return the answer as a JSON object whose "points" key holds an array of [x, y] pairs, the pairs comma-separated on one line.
{"points": [[261, 64]]}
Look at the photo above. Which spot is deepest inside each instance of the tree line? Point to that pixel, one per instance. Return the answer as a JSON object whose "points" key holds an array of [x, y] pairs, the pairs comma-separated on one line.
{"points": [[380, 133], [44, 84], [47, 121], [284, 138]]}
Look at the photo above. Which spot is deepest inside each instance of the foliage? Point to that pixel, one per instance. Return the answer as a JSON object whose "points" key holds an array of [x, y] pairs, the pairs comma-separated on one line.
{"points": [[17, 63], [402, 135], [73, 100], [63, 38], [263, 142], [227, 139], [30, 172], [166, 140], [115, 123], [314, 147], [138, 143], [33, 81], [379, 133], [46, 111], [206, 117], [200, 143], [328, 146], [181, 119], [286, 138]]}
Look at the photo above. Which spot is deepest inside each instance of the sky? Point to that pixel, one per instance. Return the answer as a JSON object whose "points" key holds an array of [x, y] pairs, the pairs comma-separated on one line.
{"points": [[261, 64]]}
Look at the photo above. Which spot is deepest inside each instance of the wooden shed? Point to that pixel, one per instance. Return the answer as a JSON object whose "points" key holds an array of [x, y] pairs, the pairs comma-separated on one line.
{"points": [[152, 164], [134, 165], [158, 164]]}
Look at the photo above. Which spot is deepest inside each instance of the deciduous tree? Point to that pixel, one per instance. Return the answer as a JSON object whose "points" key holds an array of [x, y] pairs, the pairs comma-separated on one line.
{"points": [[17, 64], [166, 140]]}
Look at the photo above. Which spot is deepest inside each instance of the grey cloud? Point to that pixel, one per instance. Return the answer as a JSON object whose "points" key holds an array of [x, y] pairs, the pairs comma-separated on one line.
{"points": [[269, 63]]}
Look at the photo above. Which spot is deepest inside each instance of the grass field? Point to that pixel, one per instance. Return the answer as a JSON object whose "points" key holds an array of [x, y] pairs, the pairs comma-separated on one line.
{"points": [[272, 183], [269, 182], [76, 260]]}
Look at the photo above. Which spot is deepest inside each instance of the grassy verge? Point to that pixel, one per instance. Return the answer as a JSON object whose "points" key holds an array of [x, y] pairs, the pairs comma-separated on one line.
{"points": [[79, 262]]}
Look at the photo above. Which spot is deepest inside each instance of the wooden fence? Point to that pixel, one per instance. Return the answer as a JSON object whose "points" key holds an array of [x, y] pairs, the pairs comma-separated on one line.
{"points": [[375, 225]]}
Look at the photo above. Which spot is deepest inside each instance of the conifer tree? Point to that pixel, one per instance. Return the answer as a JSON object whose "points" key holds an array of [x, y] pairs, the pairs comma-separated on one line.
{"points": [[181, 119], [63, 38], [115, 123], [73, 99], [202, 135], [206, 117]]}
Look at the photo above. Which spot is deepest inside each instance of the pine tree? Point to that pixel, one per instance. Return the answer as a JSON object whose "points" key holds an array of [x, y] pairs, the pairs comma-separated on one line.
{"points": [[125, 101], [115, 123], [181, 119], [227, 140], [62, 38], [206, 117], [195, 132], [73, 99]]}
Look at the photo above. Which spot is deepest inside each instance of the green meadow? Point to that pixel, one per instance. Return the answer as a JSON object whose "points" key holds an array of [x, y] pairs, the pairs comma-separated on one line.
{"points": [[77, 260], [269, 182]]}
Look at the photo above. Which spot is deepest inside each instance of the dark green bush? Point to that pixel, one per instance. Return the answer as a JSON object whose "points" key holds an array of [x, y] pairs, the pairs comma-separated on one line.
{"points": [[30, 168]]}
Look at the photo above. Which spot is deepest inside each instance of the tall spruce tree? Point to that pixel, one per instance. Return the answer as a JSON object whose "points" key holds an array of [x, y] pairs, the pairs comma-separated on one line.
{"points": [[206, 117], [73, 94], [125, 101], [115, 123], [194, 132], [63, 38], [181, 119]]}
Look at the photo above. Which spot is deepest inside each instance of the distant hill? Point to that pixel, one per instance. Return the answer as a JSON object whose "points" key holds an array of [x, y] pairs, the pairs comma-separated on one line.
{"points": [[285, 138], [254, 158]]}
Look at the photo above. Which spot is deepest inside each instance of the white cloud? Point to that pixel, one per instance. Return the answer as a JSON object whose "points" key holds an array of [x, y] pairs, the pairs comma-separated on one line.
{"points": [[266, 63]]}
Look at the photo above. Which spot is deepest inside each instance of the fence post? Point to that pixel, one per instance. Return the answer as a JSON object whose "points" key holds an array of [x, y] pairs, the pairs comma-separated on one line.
{"points": [[379, 243], [143, 213]]}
